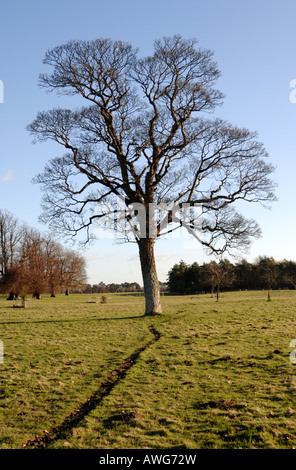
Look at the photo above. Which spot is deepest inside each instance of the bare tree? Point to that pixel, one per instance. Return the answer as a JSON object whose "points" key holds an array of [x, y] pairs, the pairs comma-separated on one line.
{"points": [[10, 235], [32, 263], [219, 275], [146, 137], [72, 270], [269, 272], [52, 252]]}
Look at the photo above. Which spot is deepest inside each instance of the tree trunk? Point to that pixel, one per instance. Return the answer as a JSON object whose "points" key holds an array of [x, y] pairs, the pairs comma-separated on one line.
{"points": [[150, 280]]}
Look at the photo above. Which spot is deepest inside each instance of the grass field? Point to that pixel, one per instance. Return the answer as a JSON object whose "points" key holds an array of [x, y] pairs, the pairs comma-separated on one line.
{"points": [[218, 376]]}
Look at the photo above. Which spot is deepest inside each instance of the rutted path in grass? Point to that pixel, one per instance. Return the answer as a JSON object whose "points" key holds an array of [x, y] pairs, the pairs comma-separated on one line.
{"points": [[219, 377], [71, 421]]}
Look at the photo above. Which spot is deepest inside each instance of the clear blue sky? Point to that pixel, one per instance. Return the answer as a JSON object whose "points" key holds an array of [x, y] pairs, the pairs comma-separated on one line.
{"points": [[254, 45]]}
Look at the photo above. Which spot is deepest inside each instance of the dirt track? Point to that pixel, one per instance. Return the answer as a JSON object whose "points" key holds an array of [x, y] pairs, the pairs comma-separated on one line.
{"points": [[71, 421]]}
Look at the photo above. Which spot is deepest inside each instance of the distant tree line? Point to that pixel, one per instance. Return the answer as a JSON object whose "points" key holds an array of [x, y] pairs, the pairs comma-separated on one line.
{"points": [[123, 287], [34, 263], [265, 273], [102, 288]]}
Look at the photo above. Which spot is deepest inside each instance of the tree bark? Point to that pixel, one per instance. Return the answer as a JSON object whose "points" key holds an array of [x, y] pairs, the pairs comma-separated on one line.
{"points": [[149, 273]]}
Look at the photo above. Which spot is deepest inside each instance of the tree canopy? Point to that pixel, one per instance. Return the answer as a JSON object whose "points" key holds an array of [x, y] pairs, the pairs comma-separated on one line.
{"points": [[144, 135]]}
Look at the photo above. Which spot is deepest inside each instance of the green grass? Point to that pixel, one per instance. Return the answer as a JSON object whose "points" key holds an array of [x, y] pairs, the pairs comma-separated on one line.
{"points": [[220, 375]]}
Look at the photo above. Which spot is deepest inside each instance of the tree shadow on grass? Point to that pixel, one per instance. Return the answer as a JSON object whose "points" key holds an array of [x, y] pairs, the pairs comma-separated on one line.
{"points": [[74, 320]]}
